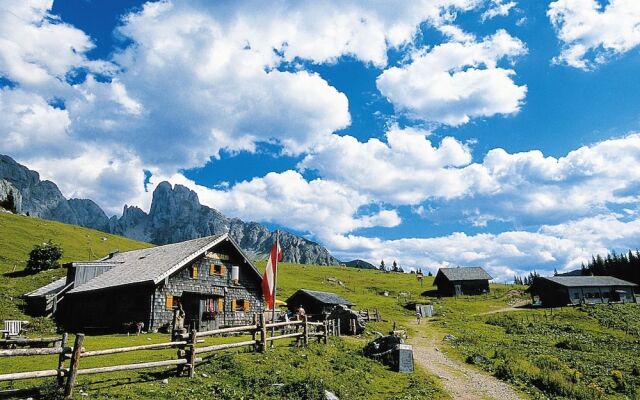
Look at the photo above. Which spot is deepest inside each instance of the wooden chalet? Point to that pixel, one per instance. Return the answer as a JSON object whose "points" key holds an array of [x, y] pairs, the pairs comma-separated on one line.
{"points": [[316, 304], [558, 291], [462, 281], [210, 277]]}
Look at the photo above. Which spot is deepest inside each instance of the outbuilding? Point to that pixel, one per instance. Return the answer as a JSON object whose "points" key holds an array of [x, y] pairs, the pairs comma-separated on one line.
{"points": [[210, 278], [462, 281], [558, 291], [316, 304]]}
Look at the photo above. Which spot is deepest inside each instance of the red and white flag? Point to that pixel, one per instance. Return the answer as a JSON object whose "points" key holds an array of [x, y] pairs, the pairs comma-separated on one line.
{"points": [[269, 277]]}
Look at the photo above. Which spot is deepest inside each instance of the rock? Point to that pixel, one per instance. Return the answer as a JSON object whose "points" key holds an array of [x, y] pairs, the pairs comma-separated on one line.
{"points": [[330, 396], [205, 375], [175, 215], [449, 338], [165, 381], [10, 197]]}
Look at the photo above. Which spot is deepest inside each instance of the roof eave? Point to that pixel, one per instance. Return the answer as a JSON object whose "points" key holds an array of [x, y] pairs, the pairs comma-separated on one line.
{"points": [[188, 259]]}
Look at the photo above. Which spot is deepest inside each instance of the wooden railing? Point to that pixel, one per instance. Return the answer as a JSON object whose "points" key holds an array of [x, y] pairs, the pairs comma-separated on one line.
{"points": [[188, 354]]}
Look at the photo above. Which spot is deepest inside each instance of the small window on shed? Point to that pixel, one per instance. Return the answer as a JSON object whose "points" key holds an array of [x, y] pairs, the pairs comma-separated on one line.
{"points": [[216, 269], [194, 271], [169, 302]]}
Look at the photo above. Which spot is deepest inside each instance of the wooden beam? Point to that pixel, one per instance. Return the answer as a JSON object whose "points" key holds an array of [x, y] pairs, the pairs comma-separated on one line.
{"points": [[279, 324], [133, 348], [61, 358], [31, 352], [290, 335], [28, 375], [225, 346], [232, 329], [129, 367]]}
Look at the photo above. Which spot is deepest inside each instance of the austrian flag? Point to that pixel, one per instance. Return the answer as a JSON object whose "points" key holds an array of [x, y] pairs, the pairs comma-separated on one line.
{"points": [[269, 277]]}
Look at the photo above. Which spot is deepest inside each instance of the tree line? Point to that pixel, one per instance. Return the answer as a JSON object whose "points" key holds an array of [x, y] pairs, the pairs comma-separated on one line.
{"points": [[622, 266]]}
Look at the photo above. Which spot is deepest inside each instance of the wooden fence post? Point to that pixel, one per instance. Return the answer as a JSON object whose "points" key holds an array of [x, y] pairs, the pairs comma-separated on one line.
{"points": [[254, 333], [326, 332], [263, 333], [63, 344], [191, 359], [338, 327], [305, 330], [73, 365]]}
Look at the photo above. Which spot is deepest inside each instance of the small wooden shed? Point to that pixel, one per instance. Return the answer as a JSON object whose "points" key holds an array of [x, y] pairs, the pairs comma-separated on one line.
{"points": [[315, 303], [558, 291], [43, 301], [462, 281]]}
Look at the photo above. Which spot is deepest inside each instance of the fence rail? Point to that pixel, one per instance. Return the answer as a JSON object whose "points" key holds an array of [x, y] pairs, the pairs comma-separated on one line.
{"points": [[186, 343]]}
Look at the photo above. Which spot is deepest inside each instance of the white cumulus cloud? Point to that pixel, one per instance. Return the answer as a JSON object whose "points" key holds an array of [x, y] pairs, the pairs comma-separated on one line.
{"points": [[592, 32], [456, 81]]}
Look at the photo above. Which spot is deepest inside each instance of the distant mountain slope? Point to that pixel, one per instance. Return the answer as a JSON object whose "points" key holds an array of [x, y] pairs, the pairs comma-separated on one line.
{"points": [[360, 264], [175, 215]]}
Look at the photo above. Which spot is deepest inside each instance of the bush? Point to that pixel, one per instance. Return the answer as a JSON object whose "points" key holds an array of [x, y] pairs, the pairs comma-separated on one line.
{"points": [[43, 257]]}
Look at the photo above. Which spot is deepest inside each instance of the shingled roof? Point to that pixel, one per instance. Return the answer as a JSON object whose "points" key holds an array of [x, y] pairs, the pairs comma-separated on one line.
{"points": [[150, 265], [587, 281], [50, 288], [465, 274], [324, 297]]}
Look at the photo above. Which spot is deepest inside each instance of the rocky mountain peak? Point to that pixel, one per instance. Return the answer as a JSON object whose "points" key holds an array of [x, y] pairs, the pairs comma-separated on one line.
{"points": [[175, 215]]}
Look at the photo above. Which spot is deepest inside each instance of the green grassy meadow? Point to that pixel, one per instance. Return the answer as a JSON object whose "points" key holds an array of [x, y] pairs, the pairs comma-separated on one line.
{"points": [[283, 372], [589, 352]]}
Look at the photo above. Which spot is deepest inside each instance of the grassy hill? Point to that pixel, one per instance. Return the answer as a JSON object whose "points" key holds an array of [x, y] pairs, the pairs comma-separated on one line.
{"points": [[588, 352], [18, 235]]}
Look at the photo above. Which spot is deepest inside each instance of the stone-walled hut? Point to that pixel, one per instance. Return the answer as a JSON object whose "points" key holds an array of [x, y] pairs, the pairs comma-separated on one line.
{"points": [[210, 277]]}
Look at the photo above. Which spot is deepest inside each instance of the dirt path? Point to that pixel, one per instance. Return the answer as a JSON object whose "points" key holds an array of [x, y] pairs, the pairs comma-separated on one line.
{"points": [[461, 381], [515, 307]]}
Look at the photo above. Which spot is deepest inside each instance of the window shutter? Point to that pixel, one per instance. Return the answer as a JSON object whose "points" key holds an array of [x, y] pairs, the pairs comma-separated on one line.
{"points": [[233, 305], [246, 305], [212, 269], [222, 270], [169, 303], [221, 304], [194, 271]]}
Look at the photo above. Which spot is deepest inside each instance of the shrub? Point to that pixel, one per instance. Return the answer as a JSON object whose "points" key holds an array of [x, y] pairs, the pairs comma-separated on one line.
{"points": [[44, 257]]}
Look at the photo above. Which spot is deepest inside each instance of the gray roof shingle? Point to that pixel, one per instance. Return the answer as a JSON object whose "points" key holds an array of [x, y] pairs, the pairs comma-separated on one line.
{"points": [[465, 274], [584, 281], [150, 265], [50, 288], [326, 297]]}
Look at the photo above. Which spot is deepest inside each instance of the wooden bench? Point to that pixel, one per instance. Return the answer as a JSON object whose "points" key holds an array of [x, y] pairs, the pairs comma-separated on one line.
{"points": [[13, 328]]}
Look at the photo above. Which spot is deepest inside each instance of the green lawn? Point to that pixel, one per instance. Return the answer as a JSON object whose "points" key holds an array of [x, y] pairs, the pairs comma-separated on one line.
{"points": [[284, 372], [576, 353], [589, 352]]}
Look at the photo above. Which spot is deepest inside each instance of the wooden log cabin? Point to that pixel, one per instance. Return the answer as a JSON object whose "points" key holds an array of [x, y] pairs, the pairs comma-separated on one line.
{"points": [[462, 281], [559, 291], [210, 277]]}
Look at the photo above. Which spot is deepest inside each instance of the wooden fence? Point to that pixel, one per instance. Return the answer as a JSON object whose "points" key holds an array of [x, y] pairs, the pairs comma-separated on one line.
{"points": [[188, 352]]}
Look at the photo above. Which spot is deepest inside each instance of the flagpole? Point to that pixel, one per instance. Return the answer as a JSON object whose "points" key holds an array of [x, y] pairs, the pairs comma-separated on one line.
{"points": [[275, 286]]}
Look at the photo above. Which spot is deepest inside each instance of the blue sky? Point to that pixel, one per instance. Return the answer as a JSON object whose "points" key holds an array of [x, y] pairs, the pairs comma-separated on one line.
{"points": [[443, 132]]}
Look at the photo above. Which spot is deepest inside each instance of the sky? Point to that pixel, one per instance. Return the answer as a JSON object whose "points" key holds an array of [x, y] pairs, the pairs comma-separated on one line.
{"points": [[495, 133]]}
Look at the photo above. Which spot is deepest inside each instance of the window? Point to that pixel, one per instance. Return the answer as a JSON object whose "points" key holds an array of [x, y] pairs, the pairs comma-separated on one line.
{"points": [[216, 269], [240, 305], [194, 271], [169, 302]]}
